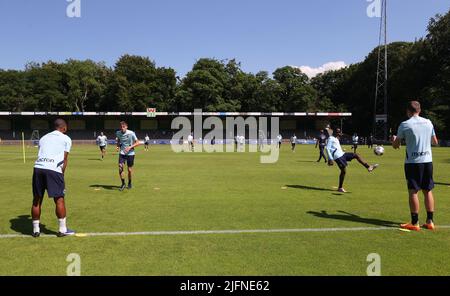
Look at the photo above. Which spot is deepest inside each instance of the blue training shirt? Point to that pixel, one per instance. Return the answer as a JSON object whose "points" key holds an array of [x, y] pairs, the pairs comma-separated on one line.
{"points": [[126, 139], [334, 148], [417, 133]]}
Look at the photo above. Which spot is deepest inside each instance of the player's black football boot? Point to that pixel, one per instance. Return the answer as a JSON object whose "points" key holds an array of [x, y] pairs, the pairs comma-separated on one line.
{"points": [[67, 233]]}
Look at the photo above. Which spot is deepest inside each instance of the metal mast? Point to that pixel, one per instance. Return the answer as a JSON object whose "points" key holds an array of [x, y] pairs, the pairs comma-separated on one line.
{"points": [[380, 124]]}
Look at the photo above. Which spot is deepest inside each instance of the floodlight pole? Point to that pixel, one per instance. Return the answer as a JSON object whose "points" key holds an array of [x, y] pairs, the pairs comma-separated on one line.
{"points": [[380, 122]]}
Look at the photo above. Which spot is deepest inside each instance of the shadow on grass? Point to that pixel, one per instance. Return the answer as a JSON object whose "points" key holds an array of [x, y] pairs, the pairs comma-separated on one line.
{"points": [[443, 184], [344, 216], [94, 159], [106, 187], [339, 194], [309, 188], [23, 225]]}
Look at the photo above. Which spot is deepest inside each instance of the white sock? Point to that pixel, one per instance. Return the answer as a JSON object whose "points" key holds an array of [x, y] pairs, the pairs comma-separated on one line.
{"points": [[62, 225], [36, 226]]}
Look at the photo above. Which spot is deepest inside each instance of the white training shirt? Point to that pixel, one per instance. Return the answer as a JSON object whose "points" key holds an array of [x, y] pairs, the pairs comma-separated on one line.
{"points": [[102, 140], [147, 139], [242, 140], [51, 151], [190, 138], [294, 140]]}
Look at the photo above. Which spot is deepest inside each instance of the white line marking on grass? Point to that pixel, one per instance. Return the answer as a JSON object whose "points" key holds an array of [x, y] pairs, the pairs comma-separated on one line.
{"points": [[237, 231]]}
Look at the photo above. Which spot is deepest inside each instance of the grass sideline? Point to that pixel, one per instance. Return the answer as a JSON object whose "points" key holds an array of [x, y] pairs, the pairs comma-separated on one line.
{"points": [[223, 191]]}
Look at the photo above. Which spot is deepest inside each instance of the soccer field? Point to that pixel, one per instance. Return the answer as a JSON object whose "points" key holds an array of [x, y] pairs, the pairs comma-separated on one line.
{"points": [[281, 219]]}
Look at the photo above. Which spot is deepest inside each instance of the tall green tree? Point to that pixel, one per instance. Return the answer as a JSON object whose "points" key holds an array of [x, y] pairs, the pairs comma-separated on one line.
{"points": [[85, 83], [296, 91]]}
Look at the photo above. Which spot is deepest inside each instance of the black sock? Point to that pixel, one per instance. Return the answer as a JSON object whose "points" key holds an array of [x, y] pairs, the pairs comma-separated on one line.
{"points": [[123, 182], [129, 182], [414, 218], [430, 216]]}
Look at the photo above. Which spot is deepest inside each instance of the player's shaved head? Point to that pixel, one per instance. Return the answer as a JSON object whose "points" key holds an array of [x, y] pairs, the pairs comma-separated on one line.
{"points": [[60, 124]]}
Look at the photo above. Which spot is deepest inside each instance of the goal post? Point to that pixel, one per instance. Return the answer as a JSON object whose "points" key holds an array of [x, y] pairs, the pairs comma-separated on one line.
{"points": [[34, 140], [23, 148]]}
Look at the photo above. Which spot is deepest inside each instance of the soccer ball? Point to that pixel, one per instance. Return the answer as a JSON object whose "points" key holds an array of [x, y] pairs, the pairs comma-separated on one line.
{"points": [[379, 150]]}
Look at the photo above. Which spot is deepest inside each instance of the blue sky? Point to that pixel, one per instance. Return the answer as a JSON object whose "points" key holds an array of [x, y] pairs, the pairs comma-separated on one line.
{"points": [[262, 34]]}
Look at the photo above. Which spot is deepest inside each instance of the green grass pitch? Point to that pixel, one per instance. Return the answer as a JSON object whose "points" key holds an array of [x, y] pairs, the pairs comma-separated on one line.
{"points": [[223, 191]]}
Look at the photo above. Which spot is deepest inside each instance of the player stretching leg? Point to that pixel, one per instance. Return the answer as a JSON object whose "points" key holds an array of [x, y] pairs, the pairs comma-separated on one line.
{"points": [[419, 134], [48, 175], [336, 153], [126, 142], [102, 142]]}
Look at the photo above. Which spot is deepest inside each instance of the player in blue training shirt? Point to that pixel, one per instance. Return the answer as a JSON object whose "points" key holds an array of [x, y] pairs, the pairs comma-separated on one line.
{"points": [[418, 134], [126, 142], [336, 153]]}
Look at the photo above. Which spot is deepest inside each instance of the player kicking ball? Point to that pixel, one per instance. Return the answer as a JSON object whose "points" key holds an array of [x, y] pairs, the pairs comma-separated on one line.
{"points": [[126, 142], [48, 175], [336, 153]]}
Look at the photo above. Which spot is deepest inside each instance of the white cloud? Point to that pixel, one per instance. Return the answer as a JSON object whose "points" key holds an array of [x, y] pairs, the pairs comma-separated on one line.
{"points": [[313, 72]]}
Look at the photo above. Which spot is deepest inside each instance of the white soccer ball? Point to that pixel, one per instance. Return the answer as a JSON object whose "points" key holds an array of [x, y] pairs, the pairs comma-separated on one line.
{"points": [[379, 150]]}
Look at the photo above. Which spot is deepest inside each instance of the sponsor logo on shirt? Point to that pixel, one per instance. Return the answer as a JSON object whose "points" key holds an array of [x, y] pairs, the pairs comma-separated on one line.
{"points": [[46, 160], [421, 154]]}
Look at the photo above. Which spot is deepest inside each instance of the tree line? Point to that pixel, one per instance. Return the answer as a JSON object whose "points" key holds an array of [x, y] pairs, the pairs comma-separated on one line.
{"points": [[417, 70]]}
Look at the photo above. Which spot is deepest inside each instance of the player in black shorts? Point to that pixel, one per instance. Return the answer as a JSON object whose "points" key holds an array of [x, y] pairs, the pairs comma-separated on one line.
{"points": [[370, 141], [355, 142], [321, 143], [127, 141], [341, 158], [146, 142], [419, 134], [48, 175]]}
